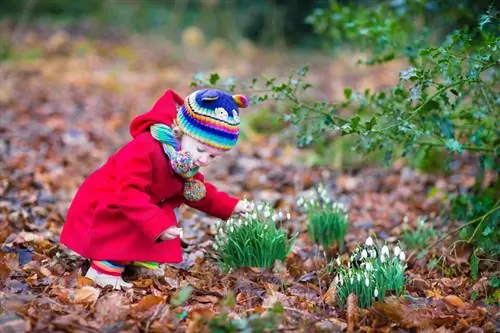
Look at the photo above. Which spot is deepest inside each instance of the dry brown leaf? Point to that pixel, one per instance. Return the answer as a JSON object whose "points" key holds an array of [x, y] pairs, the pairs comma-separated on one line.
{"points": [[147, 302], [352, 309], [84, 281], [112, 307], [86, 295], [207, 299], [454, 301]]}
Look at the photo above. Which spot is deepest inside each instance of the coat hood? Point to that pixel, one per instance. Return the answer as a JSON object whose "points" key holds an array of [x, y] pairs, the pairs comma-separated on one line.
{"points": [[163, 111]]}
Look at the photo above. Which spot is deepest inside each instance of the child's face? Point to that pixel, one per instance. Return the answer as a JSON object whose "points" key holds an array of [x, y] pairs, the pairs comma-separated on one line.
{"points": [[202, 154]]}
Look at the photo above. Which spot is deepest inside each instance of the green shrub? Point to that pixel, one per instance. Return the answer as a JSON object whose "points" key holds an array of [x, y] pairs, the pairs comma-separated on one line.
{"points": [[419, 237], [371, 273], [327, 221], [253, 240]]}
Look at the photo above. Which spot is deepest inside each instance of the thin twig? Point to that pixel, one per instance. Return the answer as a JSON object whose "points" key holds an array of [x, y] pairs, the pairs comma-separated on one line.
{"points": [[450, 233]]}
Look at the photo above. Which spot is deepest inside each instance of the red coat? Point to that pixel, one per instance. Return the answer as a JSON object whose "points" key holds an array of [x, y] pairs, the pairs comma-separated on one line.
{"points": [[122, 207]]}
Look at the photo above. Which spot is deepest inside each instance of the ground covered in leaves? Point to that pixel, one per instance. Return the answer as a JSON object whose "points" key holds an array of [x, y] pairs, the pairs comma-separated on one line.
{"points": [[65, 111]]}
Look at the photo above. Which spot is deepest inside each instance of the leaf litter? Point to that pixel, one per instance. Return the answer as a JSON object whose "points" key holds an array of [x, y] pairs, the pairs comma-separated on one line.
{"points": [[65, 113]]}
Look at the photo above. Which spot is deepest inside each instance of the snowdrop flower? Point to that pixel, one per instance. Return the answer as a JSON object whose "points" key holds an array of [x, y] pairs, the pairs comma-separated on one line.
{"points": [[375, 293], [336, 280], [337, 261], [351, 280], [397, 251], [385, 251], [215, 247], [231, 229], [373, 253], [267, 214], [300, 201], [383, 258], [358, 277], [368, 266], [405, 219], [265, 226], [246, 222], [288, 216], [402, 256], [367, 282], [369, 241], [364, 254], [341, 282]]}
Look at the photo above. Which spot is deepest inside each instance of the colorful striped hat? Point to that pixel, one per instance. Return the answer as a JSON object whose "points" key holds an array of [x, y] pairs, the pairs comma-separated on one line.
{"points": [[212, 117]]}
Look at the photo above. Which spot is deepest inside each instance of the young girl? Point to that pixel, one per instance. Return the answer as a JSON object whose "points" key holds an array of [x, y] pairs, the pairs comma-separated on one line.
{"points": [[127, 210]]}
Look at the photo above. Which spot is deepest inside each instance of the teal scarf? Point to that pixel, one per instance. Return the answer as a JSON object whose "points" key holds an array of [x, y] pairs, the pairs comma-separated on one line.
{"points": [[181, 161]]}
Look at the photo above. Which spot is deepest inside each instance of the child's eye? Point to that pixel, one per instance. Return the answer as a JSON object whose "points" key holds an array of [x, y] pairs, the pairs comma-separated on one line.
{"points": [[212, 156], [200, 149]]}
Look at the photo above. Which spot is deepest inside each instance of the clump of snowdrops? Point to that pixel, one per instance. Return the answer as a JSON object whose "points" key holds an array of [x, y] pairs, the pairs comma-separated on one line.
{"points": [[254, 239], [371, 273], [327, 220]]}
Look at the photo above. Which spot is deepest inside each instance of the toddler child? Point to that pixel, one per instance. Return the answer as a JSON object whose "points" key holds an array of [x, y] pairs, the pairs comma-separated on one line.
{"points": [[126, 212]]}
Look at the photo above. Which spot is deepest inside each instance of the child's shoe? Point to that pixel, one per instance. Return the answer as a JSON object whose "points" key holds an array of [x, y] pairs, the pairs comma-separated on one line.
{"points": [[103, 279]]}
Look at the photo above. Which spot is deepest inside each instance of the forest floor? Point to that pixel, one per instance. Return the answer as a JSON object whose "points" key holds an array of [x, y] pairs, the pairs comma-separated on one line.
{"points": [[66, 105]]}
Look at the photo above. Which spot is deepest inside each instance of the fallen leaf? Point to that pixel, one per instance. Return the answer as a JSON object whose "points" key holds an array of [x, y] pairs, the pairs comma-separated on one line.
{"points": [[112, 307], [147, 302], [86, 295], [10, 322], [454, 301], [352, 309], [84, 281]]}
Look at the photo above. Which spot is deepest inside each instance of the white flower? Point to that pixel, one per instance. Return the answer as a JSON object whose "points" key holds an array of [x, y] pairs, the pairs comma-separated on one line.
{"points": [[265, 226], [336, 280], [231, 229], [288, 216], [397, 251], [364, 254], [367, 282], [405, 219], [341, 282], [402, 256], [382, 258], [368, 266], [369, 241], [373, 253], [375, 293], [358, 277], [215, 247], [246, 222], [267, 213], [337, 261], [385, 251], [352, 280]]}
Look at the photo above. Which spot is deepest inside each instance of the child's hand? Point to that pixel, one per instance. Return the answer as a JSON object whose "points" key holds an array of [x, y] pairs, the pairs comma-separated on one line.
{"points": [[243, 207], [171, 233]]}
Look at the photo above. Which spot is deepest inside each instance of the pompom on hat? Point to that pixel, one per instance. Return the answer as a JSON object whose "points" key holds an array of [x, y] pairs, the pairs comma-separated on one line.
{"points": [[212, 117]]}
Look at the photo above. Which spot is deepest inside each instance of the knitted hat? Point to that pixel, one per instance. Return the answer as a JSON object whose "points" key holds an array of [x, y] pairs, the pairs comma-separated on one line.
{"points": [[212, 117]]}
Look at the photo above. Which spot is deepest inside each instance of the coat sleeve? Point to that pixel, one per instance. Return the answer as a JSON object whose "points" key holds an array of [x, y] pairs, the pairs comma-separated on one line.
{"points": [[215, 202], [134, 178]]}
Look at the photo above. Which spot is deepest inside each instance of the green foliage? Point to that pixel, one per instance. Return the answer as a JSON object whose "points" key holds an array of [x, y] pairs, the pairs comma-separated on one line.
{"points": [[419, 237], [253, 240], [481, 215], [327, 221], [372, 272], [181, 296], [267, 322]]}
